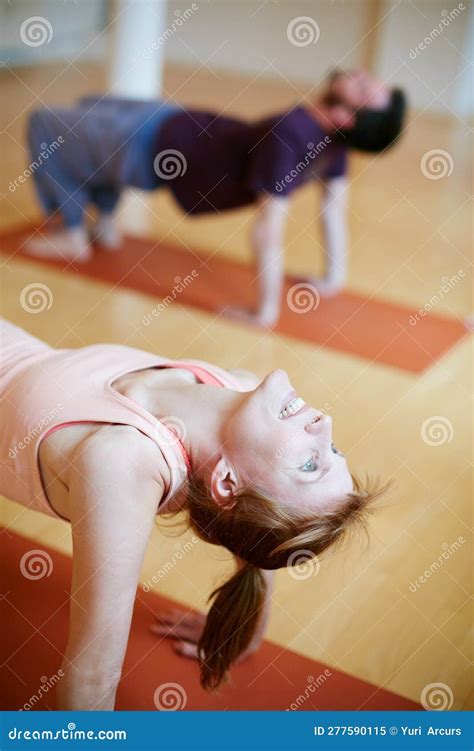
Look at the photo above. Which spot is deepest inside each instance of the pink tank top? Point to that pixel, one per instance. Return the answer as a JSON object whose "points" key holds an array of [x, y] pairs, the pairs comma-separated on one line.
{"points": [[44, 389]]}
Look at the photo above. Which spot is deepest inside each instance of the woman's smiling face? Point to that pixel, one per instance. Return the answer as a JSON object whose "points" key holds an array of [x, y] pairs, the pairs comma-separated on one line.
{"points": [[278, 444]]}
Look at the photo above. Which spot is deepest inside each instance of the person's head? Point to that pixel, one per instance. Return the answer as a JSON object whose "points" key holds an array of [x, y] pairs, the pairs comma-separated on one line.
{"points": [[279, 489], [366, 113]]}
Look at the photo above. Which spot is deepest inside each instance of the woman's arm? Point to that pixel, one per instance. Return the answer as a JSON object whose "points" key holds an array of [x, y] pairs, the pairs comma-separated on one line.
{"points": [[114, 491], [334, 223], [267, 238]]}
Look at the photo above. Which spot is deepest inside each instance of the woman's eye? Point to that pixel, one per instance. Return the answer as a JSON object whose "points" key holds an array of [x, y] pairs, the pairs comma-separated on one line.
{"points": [[309, 466]]}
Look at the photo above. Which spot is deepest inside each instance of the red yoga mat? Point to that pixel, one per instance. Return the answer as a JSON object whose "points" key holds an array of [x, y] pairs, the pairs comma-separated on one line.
{"points": [[34, 631], [368, 327]]}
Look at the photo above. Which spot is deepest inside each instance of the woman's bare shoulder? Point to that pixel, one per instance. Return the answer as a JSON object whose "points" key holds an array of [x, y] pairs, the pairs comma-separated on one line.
{"points": [[114, 450]]}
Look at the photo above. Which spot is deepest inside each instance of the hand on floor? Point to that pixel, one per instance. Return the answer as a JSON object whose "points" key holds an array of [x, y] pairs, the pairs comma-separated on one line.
{"points": [[185, 630]]}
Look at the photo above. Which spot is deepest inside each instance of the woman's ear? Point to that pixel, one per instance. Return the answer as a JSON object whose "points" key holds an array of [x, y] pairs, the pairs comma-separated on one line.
{"points": [[224, 484]]}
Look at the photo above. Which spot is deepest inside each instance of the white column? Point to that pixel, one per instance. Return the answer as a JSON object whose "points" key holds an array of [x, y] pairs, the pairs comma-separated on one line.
{"points": [[136, 48]]}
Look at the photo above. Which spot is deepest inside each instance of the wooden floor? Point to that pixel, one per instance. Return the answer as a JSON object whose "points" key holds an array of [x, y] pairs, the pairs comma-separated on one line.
{"points": [[408, 233]]}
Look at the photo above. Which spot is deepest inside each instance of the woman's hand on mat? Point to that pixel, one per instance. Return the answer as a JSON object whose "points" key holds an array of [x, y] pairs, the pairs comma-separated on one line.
{"points": [[248, 315], [186, 629]]}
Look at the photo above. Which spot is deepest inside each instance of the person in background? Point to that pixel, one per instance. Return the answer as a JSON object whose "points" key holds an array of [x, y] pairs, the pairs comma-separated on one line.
{"points": [[212, 163]]}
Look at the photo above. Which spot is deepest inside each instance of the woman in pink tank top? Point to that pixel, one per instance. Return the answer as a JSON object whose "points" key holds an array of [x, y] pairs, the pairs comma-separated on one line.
{"points": [[108, 436]]}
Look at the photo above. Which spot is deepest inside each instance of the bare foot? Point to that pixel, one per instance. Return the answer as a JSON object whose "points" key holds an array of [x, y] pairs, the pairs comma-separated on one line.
{"points": [[65, 244], [106, 234]]}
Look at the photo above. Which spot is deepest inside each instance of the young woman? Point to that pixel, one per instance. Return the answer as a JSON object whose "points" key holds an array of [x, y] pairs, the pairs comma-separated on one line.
{"points": [[211, 163], [108, 436]]}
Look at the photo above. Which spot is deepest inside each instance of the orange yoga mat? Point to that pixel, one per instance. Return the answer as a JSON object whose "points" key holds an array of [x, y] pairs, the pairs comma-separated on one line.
{"points": [[367, 327], [34, 631]]}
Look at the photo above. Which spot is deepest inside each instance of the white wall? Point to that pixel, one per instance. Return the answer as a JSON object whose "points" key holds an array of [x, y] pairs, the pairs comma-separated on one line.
{"points": [[438, 67], [68, 29], [244, 35], [250, 36]]}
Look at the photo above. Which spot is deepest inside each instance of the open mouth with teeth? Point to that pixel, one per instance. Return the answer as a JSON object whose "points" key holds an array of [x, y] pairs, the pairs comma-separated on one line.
{"points": [[292, 408]]}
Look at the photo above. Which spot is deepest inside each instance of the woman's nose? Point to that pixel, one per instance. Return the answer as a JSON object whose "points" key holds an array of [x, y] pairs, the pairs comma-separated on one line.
{"points": [[321, 426]]}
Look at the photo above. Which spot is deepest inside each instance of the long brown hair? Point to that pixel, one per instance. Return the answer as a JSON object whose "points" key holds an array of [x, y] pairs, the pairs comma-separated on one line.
{"points": [[265, 535]]}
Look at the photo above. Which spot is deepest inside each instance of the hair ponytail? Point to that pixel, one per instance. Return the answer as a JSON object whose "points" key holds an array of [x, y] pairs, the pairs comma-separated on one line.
{"points": [[231, 623], [265, 535]]}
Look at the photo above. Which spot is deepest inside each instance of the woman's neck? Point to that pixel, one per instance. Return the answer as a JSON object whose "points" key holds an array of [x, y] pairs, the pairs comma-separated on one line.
{"points": [[201, 411]]}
